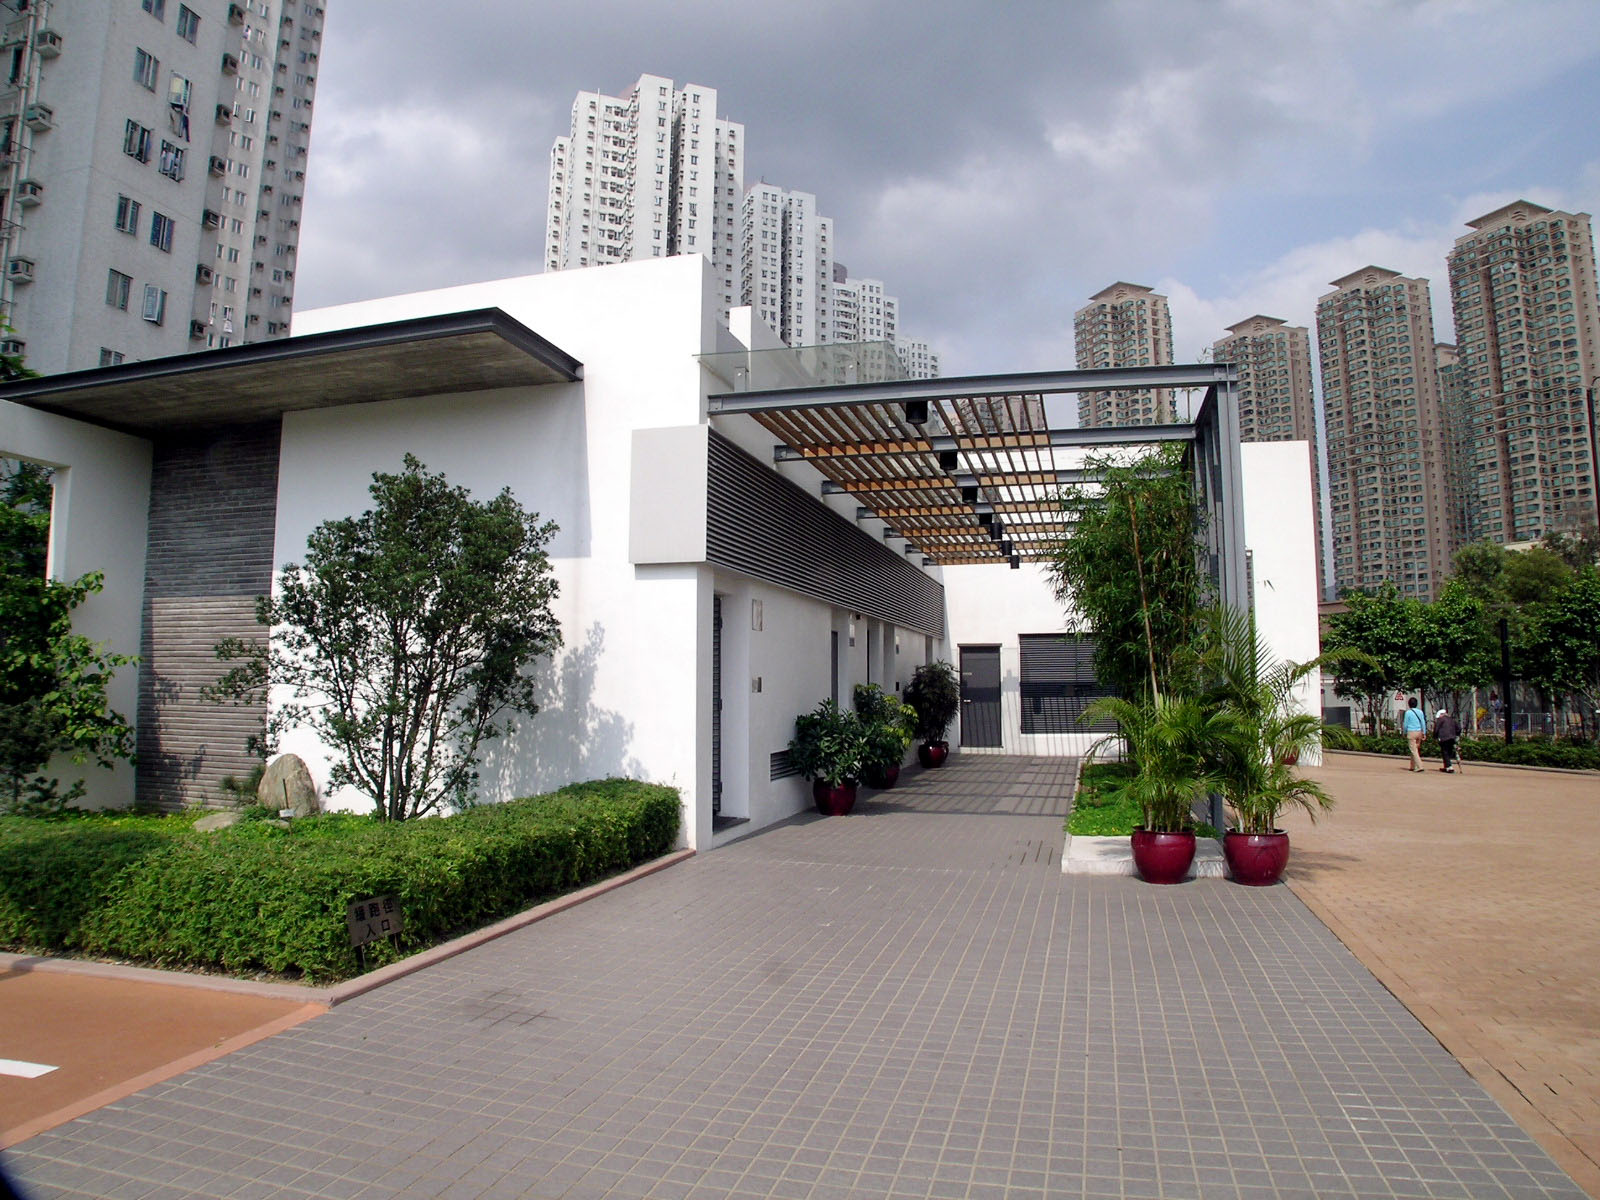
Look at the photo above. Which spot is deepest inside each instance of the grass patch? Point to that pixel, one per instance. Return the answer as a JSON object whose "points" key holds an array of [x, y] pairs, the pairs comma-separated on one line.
{"points": [[1101, 807], [257, 898]]}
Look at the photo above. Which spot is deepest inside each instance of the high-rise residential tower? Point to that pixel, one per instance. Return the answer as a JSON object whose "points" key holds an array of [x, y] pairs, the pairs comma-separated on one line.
{"points": [[1522, 285], [1380, 396], [153, 156], [1457, 426], [786, 264], [1276, 403], [1124, 325], [862, 310], [919, 359], [649, 174]]}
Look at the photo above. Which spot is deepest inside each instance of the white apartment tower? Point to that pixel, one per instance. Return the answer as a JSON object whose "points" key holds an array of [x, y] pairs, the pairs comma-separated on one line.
{"points": [[152, 165], [786, 256], [1522, 285], [1276, 403], [1386, 435], [862, 310], [1124, 325], [647, 175], [918, 358]]}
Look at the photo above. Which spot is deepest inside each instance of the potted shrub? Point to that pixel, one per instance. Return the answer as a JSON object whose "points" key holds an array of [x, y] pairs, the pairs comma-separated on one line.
{"points": [[1164, 739], [830, 748], [891, 728], [935, 693], [1261, 739]]}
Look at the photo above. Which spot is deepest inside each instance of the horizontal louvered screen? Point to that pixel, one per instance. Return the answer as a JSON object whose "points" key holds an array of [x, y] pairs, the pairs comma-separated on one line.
{"points": [[1058, 683], [781, 767], [759, 523]]}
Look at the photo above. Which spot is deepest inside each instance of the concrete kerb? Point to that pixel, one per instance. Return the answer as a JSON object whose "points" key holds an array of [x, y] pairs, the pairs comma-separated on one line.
{"points": [[339, 993]]}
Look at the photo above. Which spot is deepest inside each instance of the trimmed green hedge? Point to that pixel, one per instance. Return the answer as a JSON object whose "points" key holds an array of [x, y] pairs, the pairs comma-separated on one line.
{"points": [[1524, 752], [255, 897]]}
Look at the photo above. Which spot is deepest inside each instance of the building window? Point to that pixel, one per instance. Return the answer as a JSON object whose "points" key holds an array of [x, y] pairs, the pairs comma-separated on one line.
{"points": [[156, 8], [127, 214], [136, 141], [161, 232], [109, 357], [118, 288], [188, 23], [155, 304], [145, 67], [171, 160]]}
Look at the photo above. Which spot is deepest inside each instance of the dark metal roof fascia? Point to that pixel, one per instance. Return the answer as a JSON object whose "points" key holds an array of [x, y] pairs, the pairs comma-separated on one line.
{"points": [[311, 345]]}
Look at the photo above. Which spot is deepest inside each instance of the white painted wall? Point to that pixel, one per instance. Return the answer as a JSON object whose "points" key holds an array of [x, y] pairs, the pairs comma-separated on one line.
{"points": [[630, 690], [98, 523], [990, 605], [1280, 533]]}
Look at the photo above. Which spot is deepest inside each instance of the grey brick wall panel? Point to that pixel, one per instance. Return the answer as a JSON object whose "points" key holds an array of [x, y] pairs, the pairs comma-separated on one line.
{"points": [[213, 504]]}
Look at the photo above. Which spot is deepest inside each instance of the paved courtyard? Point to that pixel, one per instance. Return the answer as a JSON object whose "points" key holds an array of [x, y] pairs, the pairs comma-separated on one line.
{"points": [[912, 1001], [1472, 897]]}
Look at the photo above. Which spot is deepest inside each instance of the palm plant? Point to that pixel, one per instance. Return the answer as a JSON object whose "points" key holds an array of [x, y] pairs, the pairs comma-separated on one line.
{"points": [[1260, 734], [1166, 739]]}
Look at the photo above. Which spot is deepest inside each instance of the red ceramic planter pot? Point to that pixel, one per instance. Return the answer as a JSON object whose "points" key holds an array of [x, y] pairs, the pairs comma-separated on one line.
{"points": [[1256, 859], [833, 799], [933, 754], [881, 778], [1162, 857]]}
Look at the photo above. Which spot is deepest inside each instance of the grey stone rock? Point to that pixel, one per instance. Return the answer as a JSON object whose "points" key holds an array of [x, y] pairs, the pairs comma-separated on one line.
{"points": [[288, 784], [217, 820]]}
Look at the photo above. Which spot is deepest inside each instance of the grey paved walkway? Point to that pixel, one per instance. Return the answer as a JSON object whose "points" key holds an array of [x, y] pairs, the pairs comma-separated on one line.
{"points": [[912, 1001]]}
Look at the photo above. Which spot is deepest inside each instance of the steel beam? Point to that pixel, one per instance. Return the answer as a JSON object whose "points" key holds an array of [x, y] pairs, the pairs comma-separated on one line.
{"points": [[1120, 435], [970, 387]]}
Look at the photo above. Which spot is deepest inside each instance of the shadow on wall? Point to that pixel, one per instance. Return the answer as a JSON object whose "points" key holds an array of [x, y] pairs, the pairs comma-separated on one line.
{"points": [[570, 739]]}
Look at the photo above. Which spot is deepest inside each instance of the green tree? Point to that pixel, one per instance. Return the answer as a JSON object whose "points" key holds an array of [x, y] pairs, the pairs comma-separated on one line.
{"points": [[1557, 648], [406, 638], [1379, 625], [1129, 566], [52, 681]]}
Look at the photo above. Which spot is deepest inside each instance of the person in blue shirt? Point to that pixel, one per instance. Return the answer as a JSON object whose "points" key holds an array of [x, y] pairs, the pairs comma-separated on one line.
{"points": [[1415, 725]]}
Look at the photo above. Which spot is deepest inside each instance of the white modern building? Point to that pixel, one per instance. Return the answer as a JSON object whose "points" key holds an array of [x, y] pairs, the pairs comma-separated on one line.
{"points": [[153, 155], [649, 174], [734, 545], [919, 359]]}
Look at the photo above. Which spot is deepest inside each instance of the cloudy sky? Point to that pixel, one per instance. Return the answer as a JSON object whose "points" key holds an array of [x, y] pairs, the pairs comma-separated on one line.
{"points": [[995, 162]]}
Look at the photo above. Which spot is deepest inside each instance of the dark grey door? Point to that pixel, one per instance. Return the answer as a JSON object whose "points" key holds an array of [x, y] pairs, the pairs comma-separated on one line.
{"points": [[980, 695], [716, 707]]}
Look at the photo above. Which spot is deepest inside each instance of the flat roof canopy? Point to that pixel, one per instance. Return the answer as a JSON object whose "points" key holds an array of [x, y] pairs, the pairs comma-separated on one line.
{"points": [[966, 470], [455, 352]]}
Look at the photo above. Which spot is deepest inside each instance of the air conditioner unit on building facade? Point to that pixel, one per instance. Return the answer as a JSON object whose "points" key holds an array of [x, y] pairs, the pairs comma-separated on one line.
{"points": [[197, 329], [29, 192], [204, 274], [40, 117], [48, 43], [20, 270], [13, 347], [218, 166]]}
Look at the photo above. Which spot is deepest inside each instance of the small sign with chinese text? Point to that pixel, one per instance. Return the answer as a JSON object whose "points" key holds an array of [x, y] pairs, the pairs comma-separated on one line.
{"points": [[372, 919]]}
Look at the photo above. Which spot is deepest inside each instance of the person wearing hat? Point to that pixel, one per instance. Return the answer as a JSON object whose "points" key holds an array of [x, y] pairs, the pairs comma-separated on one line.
{"points": [[1445, 732]]}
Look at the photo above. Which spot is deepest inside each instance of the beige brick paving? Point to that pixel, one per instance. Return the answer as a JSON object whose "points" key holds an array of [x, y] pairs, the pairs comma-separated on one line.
{"points": [[1475, 898]]}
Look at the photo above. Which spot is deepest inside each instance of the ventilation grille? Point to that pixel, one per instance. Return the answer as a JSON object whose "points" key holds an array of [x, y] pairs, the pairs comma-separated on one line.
{"points": [[761, 524], [782, 768]]}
